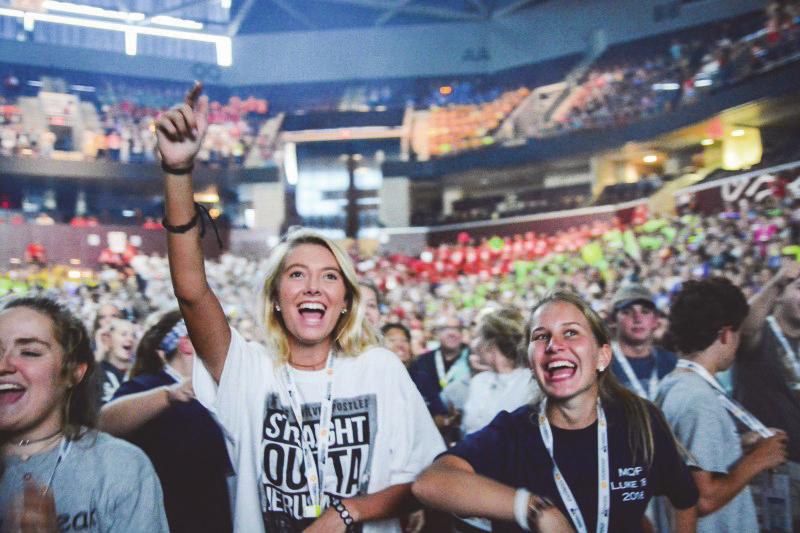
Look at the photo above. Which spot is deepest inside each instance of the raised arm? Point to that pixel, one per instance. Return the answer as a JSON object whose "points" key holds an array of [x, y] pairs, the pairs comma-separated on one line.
{"points": [[761, 304], [125, 415], [180, 133]]}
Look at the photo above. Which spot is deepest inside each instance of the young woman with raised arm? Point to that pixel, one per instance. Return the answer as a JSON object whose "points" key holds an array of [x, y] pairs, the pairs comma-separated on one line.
{"points": [[326, 430]]}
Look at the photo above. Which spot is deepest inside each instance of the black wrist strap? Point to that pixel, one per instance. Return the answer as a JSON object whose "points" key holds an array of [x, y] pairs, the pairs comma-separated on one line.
{"points": [[177, 171], [199, 210]]}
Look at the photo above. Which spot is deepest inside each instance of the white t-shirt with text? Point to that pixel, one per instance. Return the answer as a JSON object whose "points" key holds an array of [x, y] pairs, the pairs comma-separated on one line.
{"points": [[381, 432]]}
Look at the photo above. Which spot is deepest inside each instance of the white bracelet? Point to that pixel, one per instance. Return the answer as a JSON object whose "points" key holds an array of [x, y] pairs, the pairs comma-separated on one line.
{"points": [[521, 499]]}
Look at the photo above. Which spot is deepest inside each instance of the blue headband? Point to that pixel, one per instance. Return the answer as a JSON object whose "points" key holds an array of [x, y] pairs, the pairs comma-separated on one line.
{"points": [[170, 341]]}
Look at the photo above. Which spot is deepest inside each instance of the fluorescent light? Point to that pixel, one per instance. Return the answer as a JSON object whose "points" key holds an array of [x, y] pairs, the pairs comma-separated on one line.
{"points": [[224, 47], [76, 9], [666, 86], [737, 133], [290, 163], [82, 88], [27, 22], [225, 4], [128, 213], [651, 158], [224, 53], [165, 20], [705, 82], [130, 43], [5, 12], [707, 142], [117, 26]]}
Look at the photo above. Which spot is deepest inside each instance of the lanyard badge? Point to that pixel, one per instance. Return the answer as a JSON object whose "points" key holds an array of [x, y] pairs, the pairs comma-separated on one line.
{"points": [[603, 473], [734, 408], [314, 470]]}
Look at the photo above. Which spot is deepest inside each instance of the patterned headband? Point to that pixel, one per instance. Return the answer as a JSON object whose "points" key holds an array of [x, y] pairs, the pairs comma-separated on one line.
{"points": [[170, 341]]}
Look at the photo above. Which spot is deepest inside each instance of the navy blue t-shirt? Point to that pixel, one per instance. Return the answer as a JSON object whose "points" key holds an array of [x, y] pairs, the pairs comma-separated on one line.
{"points": [[510, 450], [424, 375], [642, 367], [187, 449]]}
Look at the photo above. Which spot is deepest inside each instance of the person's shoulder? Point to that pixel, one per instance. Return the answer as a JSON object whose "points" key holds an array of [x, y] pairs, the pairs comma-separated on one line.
{"points": [[106, 448], [681, 393], [518, 418], [379, 354], [423, 359], [663, 353], [148, 381], [481, 378]]}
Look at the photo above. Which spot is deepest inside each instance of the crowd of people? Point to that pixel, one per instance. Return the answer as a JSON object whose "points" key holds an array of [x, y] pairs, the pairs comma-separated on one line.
{"points": [[624, 92], [579, 331]]}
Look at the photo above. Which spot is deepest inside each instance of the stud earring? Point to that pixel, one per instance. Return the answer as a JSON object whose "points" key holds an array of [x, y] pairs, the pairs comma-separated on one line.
{"points": [[344, 311], [278, 308], [600, 368]]}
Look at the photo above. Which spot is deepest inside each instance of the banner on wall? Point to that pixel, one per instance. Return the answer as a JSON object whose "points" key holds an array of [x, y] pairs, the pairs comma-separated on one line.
{"points": [[715, 195]]}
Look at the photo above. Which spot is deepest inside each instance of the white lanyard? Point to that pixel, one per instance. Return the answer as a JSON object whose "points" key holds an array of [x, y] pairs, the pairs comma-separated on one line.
{"points": [[790, 353], [445, 377], [315, 475], [604, 489], [652, 384], [171, 372], [736, 410], [63, 450]]}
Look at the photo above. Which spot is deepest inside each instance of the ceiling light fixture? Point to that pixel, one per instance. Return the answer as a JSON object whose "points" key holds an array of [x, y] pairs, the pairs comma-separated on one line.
{"points": [[223, 43]]}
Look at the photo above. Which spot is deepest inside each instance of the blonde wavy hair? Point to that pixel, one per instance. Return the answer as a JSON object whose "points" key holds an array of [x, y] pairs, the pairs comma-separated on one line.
{"points": [[352, 334]]}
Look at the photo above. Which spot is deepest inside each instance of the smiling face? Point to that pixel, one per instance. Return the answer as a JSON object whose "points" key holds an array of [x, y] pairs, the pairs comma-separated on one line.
{"points": [[370, 303], [563, 351], [450, 337], [122, 342], [396, 341], [311, 295], [32, 383]]}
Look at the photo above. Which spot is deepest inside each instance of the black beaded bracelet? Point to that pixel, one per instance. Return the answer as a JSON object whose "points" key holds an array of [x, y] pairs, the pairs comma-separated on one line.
{"points": [[182, 171], [344, 514]]}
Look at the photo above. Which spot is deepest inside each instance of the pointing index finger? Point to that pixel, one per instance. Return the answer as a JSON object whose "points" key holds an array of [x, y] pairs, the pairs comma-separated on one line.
{"points": [[193, 94]]}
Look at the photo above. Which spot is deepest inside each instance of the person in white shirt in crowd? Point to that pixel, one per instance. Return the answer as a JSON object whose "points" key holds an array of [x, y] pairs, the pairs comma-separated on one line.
{"points": [[638, 363], [508, 383], [326, 428], [705, 321]]}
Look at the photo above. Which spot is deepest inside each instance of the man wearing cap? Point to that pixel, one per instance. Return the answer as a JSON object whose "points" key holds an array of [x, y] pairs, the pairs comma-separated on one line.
{"points": [[638, 364]]}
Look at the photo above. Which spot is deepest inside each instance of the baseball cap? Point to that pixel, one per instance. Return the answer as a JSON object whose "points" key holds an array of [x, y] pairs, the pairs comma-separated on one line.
{"points": [[632, 293]]}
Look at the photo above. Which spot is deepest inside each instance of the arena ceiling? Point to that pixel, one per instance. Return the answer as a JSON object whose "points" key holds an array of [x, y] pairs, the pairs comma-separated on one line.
{"points": [[233, 17], [313, 15]]}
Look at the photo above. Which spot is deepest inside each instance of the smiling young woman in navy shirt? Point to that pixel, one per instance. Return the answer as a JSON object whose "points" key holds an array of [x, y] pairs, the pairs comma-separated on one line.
{"points": [[586, 454]]}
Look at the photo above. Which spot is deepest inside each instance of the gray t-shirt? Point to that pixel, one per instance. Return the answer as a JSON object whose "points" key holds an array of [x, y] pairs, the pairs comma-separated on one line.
{"points": [[102, 484], [708, 432]]}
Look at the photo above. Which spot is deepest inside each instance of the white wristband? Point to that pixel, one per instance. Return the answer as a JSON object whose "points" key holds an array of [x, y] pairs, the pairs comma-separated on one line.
{"points": [[521, 499]]}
